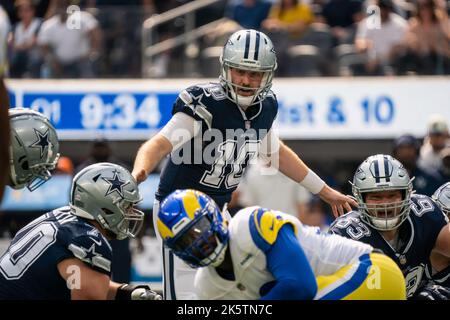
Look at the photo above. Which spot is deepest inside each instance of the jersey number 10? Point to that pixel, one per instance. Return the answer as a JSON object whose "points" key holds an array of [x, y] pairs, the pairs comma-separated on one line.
{"points": [[218, 173]]}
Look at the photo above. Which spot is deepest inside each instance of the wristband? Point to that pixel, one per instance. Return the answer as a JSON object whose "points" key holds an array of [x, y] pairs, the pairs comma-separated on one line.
{"points": [[312, 182]]}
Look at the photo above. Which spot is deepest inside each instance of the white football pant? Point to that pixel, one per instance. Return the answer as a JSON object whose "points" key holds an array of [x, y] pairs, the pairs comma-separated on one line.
{"points": [[178, 277]]}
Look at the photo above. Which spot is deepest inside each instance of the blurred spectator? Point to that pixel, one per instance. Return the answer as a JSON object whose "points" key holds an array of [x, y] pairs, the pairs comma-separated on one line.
{"points": [[314, 214], [70, 43], [342, 16], [249, 13], [406, 150], [286, 24], [64, 166], [121, 23], [100, 152], [445, 165], [434, 142], [275, 191], [292, 16], [428, 41], [26, 59], [5, 28], [404, 8], [381, 42]]}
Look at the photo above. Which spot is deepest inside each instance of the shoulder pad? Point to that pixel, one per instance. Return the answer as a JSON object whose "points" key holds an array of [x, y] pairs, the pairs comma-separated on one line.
{"points": [[93, 250], [192, 101], [423, 206], [214, 90], [265, 225], [271, 94], [350, 225]]}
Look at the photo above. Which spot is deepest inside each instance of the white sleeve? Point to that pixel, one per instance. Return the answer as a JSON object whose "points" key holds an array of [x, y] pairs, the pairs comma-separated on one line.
{"points": [[180, 129], [270, 144]]}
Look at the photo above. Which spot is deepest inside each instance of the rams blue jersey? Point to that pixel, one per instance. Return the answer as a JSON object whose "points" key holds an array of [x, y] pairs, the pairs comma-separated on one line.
{"points": [[28, 269], [215, 164], [417, 237]]}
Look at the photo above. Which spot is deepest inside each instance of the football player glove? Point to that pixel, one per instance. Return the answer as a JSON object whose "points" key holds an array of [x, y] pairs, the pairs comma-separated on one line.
{"points": [[136, 292], [432, 291]]}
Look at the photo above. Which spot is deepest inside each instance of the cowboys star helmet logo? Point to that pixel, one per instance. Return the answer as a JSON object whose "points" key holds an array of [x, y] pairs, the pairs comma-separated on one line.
{"points": [[115, 184], [41, 142]]}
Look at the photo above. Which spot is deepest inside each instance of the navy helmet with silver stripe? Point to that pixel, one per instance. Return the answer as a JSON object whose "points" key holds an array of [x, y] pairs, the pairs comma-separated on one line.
{"points": [[442, 197], [248, 50], [381, 173]]}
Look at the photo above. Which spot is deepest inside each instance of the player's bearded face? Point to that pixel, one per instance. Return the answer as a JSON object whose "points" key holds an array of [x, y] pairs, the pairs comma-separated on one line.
{"points": [[247, 79], [384, 204], [199, 241]]}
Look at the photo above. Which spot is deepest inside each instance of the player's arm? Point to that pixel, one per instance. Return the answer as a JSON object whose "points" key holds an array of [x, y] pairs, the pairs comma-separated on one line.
{"points": [[288, 264], [442, 246], [293, 167], [180, 129], [84, 282], [149, 155]]}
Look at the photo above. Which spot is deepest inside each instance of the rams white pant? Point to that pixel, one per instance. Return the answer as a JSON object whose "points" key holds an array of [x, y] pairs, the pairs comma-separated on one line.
{"points": [[178, 277]]}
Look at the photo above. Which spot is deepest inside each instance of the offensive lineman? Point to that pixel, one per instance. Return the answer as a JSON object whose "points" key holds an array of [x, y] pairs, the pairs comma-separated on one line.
{"points": [[407, 227], [65, 253]]}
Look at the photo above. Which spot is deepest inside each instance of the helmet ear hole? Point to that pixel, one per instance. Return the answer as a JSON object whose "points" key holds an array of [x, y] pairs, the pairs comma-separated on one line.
{"points": [[107, 211], [24, 165]]}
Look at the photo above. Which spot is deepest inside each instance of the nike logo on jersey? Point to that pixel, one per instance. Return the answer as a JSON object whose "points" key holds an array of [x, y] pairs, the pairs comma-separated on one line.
{"points": [[97, 242]]}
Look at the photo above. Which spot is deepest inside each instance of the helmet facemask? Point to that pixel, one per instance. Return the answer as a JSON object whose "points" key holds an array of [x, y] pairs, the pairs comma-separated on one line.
{"points": [[385, 216], [128, 225], [132, 221], [32, 176], [382, 173], [203, 242], [231, 88]]}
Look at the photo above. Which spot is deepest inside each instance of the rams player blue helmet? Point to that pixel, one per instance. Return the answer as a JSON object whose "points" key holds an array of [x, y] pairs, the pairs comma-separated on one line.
{"points": [[192, 226]]}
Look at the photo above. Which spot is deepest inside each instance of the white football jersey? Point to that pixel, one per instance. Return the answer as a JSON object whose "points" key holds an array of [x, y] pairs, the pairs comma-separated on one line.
{"points": [[325, 253]]}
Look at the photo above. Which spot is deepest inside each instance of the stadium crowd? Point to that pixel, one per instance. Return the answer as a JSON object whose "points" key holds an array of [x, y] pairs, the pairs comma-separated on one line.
{"points": [[312, 37]]}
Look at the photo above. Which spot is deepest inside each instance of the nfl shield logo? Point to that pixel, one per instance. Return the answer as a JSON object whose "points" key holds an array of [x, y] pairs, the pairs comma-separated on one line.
{"points": [[247, 125]]}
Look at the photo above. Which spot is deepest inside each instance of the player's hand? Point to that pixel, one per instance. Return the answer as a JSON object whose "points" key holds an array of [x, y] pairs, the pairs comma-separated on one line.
{"points": [[432, 291], [140, 175], [137, 292], [339, 203], [145, 294]]}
